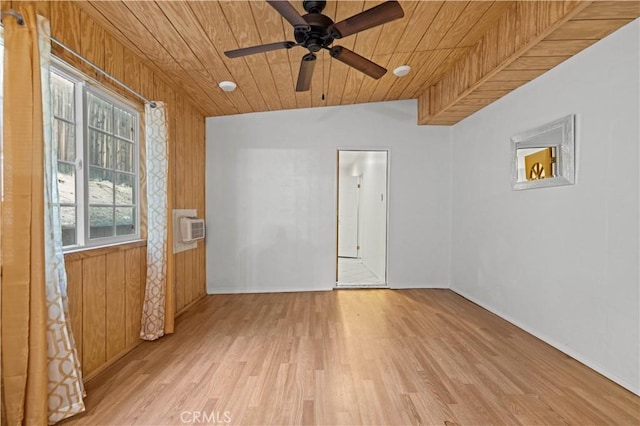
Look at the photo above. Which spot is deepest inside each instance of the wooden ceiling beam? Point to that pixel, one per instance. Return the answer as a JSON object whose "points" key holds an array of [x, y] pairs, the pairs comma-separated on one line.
{"points": [[519, 29]]}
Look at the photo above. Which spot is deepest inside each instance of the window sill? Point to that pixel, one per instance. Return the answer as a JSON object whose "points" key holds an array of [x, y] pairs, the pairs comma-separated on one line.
{"points": [[83, 253]]}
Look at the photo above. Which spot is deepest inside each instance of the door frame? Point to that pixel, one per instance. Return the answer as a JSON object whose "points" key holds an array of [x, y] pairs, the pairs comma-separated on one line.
{"points": [[336, 212]]}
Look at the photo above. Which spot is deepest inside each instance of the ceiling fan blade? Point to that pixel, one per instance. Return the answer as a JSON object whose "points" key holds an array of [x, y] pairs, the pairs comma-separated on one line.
{"points": [[289, 13], [306, 72], [378, 15], [259, 49], [358, 62]]}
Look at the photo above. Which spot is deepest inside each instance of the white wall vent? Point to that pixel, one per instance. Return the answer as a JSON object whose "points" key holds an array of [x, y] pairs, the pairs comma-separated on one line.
{"points": [[188, 229], [191, 229]]}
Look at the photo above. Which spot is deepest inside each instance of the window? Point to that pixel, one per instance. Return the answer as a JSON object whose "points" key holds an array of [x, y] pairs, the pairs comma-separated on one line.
{"points": [[96, 140]]}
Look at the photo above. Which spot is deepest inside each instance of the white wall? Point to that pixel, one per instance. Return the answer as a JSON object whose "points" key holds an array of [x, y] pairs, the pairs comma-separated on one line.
{"points": [[373, 206], [271, 196], [560, 262]]}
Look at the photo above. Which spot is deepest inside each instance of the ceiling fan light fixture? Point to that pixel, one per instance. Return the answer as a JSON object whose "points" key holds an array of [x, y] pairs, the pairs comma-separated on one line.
{"points": [[227, 86], [402, 70]]}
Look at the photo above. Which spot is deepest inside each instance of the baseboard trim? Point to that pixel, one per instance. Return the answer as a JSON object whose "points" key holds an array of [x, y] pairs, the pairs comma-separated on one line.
{"points": [[235, 290], [187, 307], [562, 348], [434, 286]]}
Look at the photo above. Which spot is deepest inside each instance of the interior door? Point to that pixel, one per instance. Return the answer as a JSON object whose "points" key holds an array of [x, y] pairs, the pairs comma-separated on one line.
{"points": [[348, 193]]}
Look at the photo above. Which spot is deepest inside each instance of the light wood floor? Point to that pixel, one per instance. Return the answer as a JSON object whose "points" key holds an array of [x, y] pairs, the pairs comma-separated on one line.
{"points": [[351, 357]]}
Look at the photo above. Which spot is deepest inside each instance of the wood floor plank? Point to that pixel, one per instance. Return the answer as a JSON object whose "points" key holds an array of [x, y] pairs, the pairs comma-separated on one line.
{"points": [[351, 357]]}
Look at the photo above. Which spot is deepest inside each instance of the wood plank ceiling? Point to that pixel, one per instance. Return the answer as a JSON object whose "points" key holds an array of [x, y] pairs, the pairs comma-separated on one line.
{"points": [[443, 42]]}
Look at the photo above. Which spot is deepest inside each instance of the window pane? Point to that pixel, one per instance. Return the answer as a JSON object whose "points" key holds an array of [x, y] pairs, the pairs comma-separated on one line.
{"points": [[124, 156], [64, 140], [67, 183], [125, 221], [100, 113], [100, 149], [100, 222], [124, 124], [100, 186], [62, 97], [68, 222], [124, 189]]}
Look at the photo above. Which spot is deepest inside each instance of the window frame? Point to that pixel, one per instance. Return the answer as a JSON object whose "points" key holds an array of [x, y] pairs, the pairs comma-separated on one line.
{"points": [[83, 85]]}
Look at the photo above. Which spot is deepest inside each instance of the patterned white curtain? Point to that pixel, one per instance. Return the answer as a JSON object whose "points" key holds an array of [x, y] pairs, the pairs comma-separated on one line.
{"points": [[65, 389], [153, 311]]}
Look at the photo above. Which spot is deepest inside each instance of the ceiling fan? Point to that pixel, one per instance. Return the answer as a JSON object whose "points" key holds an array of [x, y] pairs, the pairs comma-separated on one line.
{"points": [[316, 31]]}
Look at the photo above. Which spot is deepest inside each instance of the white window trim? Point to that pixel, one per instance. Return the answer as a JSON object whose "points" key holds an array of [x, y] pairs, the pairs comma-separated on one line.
{"points": [[84, 84]]}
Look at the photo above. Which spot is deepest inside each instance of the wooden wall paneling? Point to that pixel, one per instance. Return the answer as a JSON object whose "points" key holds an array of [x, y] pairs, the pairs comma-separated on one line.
{"points": [[74, 297], [143, 285], [92, 45], [131, 69], [133, 295], [65, 26], [115, 304], [114, 57], [339, 71], [202, 266], [189, 200], [88, 8], [93, 314], [106, 285], [214, 24], [179, 190], [42, 7], [146, 82]]}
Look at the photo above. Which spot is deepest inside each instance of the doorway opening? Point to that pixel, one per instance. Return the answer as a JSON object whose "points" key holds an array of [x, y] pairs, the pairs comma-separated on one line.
{"points": [[362, 219]]}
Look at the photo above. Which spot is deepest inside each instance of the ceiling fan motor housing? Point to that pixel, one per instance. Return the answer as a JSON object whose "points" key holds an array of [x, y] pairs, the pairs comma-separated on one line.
{"points": [[314, 6], [317, 36]]}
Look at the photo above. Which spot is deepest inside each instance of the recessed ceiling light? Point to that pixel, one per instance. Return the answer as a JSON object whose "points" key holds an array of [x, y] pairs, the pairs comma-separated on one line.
{"points": [[227, 86], [402, 70]]}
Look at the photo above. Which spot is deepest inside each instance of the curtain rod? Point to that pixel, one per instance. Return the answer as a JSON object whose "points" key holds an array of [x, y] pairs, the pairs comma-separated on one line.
{"points": [[103, 72], [20, 20]]}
